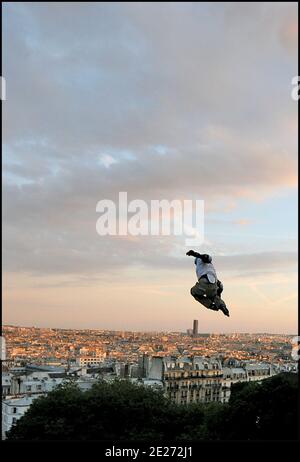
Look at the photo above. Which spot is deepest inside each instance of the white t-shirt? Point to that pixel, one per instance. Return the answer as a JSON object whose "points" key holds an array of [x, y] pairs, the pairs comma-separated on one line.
{"points": [[205, 269]]}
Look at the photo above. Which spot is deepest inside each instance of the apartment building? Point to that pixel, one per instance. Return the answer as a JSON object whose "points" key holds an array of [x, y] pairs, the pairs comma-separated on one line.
{"points": [[193, 379], [84, 361], [12, 410]]}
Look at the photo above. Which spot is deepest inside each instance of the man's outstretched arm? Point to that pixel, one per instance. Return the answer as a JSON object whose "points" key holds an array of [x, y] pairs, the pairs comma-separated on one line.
{"points": [[204, 257]]}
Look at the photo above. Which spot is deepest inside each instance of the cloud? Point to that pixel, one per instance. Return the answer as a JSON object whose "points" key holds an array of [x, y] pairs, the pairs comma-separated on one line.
{"points": [[243, 222], [160, 100], [107, 160]]}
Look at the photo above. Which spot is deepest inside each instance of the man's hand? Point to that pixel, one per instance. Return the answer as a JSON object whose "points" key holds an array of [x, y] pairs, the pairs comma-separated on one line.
{"points": [[191, 253], [204, 257]]}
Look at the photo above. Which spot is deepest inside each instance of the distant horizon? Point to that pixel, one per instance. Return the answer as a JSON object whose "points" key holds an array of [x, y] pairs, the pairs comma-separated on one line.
{"points": [[147, 331]]}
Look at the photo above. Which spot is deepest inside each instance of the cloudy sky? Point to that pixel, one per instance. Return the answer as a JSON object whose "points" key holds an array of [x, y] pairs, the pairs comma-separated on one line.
{"points": [[164, 101]]}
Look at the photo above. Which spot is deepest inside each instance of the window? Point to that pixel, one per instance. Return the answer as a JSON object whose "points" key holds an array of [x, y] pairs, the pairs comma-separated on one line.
{"points": [[14, 410], [14, 420], [28, 388]]}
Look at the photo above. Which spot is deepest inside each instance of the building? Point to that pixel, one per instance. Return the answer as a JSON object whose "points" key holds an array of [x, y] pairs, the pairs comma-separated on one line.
{"points": [[194, 379], [6, 384], [90, 360], [3, 348], [189, 379], [35, 383], [232, 375], [156, 368], [195, 328], [259, 371], [155, 384], [144, 364], [12, 410]]}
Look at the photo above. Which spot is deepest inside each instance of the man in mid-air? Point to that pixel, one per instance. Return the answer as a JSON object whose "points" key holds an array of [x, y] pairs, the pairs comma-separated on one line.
{"points": [[208, 289]]}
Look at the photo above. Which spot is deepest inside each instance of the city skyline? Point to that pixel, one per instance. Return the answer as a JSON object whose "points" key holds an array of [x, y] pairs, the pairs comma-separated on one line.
{"points": [[163, 101], [186, 368], [44, 344], [127, 331]]}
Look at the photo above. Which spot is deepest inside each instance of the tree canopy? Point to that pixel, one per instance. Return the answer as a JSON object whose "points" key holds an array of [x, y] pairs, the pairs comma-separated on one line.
{"points": [[121, 410]]}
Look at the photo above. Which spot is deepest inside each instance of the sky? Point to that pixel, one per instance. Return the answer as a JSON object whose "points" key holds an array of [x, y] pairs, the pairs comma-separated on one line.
{"points": [[163, 101]]}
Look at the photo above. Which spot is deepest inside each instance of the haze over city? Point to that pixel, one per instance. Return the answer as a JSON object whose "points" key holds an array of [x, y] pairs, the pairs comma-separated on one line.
{"points": [[164, 101]]}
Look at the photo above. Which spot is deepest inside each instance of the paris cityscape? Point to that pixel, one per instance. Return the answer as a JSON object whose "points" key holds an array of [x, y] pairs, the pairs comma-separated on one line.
{"points": [[58, 346], [189, 366]]}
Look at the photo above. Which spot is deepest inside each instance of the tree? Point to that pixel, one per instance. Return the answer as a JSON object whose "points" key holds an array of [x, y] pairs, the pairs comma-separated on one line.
{"points": [[108, 411], [121, 410], [263, 411]]}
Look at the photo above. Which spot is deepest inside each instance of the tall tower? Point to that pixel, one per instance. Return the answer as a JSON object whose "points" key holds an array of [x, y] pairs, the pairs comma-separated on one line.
{"points": [[195, 327]]}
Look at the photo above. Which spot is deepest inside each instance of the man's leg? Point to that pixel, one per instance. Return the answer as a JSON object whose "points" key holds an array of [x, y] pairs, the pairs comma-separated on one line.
{"points": [[220, 287], [221, 305], [204, 293], [207, 294]]}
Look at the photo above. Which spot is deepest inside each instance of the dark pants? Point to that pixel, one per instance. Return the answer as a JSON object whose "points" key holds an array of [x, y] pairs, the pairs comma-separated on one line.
{"points": [[208, 294]]}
